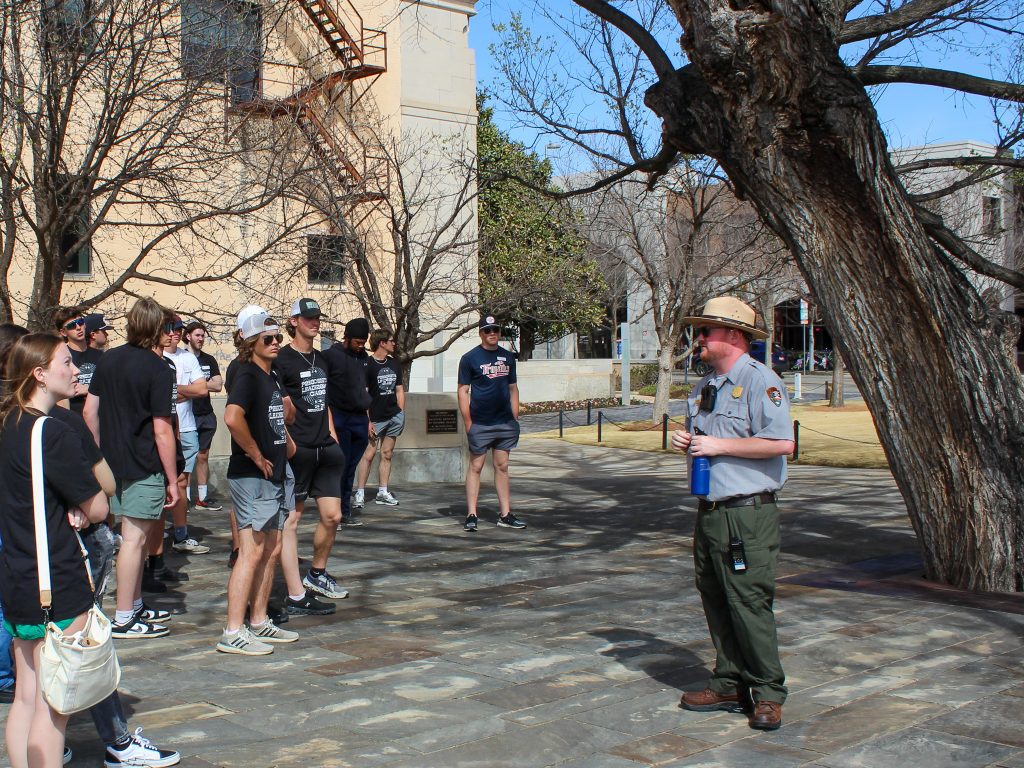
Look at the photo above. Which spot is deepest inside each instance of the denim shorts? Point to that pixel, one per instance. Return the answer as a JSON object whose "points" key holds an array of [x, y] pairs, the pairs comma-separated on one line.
{"points": [[190, 449]]}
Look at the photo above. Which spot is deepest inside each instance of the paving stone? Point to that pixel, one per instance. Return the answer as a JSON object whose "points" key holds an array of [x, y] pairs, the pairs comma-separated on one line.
{"points": [[660, 749], [995, 718], [916, 746], [750, 751]]}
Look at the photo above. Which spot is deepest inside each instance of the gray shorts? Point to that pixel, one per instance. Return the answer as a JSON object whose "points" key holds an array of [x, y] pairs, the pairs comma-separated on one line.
{"points": [[259, 503], [502, 437], [392, 427]]}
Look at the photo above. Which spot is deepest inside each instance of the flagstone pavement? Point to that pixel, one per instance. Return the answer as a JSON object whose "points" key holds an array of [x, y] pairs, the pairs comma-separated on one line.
{"points": [[569, 643]]}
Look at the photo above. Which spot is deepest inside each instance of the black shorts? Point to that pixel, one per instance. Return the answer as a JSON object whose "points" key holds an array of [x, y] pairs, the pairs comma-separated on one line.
{"points": [[206, 426], [318, 472]]}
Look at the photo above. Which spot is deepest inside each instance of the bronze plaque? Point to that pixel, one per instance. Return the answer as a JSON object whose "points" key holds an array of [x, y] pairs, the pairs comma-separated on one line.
{"points": [[443, 422]]}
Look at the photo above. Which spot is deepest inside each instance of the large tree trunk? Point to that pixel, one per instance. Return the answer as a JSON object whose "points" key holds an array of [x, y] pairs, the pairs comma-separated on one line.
{"points": [[664, 387], [767, 95]]}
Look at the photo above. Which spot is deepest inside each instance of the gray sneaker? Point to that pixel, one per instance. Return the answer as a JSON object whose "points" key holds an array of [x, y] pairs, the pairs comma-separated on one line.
{"points": [[358, 500], [324, 585], [269, 632], [384, 497], [511, 521], [191, 546], [244, 643]]}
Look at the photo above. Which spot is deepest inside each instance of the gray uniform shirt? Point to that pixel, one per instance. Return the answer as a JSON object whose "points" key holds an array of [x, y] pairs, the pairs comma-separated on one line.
{"points": [[752, 402]]}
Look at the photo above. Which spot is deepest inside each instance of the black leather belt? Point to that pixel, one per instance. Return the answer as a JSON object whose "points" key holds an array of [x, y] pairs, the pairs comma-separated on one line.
{"points": [[739, 501]]}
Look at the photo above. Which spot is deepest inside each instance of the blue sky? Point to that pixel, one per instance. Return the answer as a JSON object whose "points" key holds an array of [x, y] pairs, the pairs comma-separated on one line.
{"points": [[911, 114]]}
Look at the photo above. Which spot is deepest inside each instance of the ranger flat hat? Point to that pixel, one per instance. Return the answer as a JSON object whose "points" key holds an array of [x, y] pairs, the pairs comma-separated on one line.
{"points": [[729, 312]]}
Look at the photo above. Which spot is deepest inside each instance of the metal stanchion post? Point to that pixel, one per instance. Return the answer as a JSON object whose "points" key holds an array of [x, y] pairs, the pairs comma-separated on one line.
{"points": [[797, 384], [664, 431], [588, 412], [560, 427], [796, 440], [600, 414]]}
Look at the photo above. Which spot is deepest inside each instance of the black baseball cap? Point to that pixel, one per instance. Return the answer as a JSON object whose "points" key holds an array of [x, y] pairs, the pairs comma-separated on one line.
{"points": [[306, 308], [95, 322], [489, 321]]}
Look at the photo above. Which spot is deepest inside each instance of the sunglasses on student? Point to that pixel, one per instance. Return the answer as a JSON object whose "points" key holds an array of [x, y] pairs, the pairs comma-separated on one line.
{"points": [[172, 327], [271, 338], [70, 324]]}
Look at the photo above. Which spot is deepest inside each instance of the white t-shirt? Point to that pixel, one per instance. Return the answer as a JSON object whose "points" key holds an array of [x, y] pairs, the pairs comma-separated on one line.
{"points": [[189, 371]]}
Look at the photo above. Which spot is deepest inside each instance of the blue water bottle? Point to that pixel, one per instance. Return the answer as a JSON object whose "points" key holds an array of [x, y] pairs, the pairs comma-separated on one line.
{"points": [[700, 473]]}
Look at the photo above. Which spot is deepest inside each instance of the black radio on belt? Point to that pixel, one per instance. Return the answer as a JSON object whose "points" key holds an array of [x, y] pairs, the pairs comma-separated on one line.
{"points": [[738, 559]]}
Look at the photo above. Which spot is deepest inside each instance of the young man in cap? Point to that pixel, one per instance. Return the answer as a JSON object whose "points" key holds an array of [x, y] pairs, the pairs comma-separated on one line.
{"points": [[489, 402], [739, 419], [318, 462], [71, 325], [387, 416], [202, 410], [350, 401], [260, 444], [96, 331]]}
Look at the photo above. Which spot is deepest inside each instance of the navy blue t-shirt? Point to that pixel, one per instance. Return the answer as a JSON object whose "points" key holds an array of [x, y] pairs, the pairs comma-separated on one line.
{"points": [[489, 375]]}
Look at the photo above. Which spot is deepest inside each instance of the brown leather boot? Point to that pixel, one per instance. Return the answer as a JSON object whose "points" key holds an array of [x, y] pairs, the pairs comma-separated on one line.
{"points": [[709, 701], [767, 716]]}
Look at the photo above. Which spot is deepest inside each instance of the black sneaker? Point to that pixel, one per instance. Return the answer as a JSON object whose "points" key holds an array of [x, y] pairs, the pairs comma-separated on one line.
{"points": [[150, 615], [277, 615], [470, 524], [136, 629], [208, 504], [308, 606], [167, 574], [511, 521], [152, 584]]}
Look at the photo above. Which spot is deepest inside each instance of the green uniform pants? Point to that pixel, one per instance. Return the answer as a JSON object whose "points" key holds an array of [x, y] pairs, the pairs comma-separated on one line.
{"points": [[738, 606]]}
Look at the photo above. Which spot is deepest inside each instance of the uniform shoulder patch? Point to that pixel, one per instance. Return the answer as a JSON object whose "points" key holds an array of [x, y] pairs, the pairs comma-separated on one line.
{"points": [[775, 396]]}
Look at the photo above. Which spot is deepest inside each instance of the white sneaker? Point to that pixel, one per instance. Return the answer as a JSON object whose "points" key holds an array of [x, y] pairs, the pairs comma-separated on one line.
{"points": [[244, 643], [140, 752], [383, 497], [358, 500]]}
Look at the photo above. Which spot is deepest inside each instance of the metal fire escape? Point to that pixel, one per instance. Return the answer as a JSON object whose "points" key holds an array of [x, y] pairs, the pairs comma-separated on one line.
{"points": [[359, 167]]}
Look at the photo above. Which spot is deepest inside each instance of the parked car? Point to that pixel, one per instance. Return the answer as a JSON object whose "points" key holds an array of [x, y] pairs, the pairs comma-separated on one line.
{"points": [[780, 360]]}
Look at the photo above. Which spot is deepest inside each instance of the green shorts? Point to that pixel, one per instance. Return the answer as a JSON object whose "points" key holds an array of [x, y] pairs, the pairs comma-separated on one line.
{"points": [[142, 499], [33, 631]]}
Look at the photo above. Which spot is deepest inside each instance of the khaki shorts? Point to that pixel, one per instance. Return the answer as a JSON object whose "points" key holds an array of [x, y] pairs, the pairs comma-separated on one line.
{"points": [[141, 499]]}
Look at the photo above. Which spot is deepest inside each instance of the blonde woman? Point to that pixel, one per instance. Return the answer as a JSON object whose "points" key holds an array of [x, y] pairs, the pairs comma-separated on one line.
{"points": [[40, 373]]}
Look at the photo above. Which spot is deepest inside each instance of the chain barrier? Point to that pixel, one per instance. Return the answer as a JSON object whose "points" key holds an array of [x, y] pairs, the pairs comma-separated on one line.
{"points": [[836, 437]]}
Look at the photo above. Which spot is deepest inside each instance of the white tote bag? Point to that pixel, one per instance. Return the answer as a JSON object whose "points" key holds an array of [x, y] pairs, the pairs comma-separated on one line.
{"points": [[77, 669]]}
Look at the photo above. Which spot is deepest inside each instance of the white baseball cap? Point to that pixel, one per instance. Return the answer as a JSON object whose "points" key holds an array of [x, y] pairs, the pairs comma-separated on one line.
{"points": [[254, 320]]}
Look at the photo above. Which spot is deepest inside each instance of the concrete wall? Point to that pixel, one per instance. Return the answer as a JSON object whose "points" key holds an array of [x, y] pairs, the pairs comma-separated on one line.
{"points": [[546, 380], [419, 457]]}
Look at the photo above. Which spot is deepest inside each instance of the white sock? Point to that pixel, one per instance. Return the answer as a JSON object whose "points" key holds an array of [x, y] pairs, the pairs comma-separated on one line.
{"points": [[123, 617], [188, 493], [298, 597], [231, 632], [203, 490], [382, 489], [137, 604]]}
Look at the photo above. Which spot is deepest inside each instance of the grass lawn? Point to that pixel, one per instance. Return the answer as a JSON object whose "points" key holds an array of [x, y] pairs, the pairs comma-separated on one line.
{"points": [[833, 437]]}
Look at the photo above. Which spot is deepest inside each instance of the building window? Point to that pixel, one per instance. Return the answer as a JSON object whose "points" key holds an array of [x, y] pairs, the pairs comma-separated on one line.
{"points": [[77, 261], [221, 40], [69, 21], [325, 258], [991, 215]]}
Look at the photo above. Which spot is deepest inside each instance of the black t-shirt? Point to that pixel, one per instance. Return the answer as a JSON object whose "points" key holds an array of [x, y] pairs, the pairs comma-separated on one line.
{"points": [[201, 406], [85, 362], [382, 380], [346, 379], [134, 385], [261, 396], [68, 482], [229, 374], [304, 377], [90, 451], [489, 374]]}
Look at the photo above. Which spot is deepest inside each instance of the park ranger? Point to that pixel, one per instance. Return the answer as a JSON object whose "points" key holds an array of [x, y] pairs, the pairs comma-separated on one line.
{"points": [[739, 420]]}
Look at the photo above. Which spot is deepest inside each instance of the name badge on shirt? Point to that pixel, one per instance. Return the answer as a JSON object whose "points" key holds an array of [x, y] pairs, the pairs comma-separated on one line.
{"points": [[305, 374]]}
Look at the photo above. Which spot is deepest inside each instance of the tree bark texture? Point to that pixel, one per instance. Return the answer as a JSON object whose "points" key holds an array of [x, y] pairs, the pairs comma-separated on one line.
{"points": [[838, 398], [666, 363], [767, 95]]}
